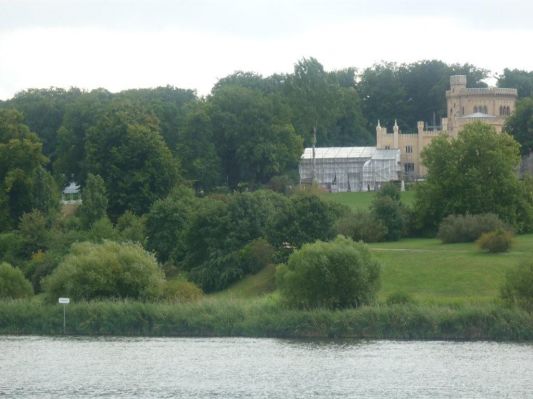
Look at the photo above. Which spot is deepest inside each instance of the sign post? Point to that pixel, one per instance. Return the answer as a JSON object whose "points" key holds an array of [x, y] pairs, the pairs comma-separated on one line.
{"points": [[64, 302]]}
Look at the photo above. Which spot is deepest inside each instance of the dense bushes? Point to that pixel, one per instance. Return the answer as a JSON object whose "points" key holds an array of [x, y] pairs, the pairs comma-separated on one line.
{"points": [[108, 270], [518, 286], [12, 283], [496, 241], [361, 226], [468, 228], [335, 274]]}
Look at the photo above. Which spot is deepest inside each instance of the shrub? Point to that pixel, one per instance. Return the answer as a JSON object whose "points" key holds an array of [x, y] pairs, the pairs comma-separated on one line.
{"points": [[107, 270], [180, 290], [335, 274], [391, 214], [361, 226], [399, 298], [12, 283], [518, 286], [468, 228], [256, 255], [496, 241]]}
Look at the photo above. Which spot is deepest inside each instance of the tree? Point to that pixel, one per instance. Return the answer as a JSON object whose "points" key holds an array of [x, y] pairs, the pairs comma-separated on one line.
{"points": [[94, 200], [126, 149], [390, 213], [13, 284], [253, 136], [312, 94], [520, 125], [517, 79], [337, 274], [167, 222], [107, 270], [305, 218], [474, 173], [197, 151], [21, 159]]}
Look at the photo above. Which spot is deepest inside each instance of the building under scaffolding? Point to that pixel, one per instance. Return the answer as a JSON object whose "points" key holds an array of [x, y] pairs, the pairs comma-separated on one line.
{"points": [[342, 169]]}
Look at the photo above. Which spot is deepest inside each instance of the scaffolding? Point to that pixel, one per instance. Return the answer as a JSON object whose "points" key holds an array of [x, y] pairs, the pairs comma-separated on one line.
{"points": [[344, 169]]}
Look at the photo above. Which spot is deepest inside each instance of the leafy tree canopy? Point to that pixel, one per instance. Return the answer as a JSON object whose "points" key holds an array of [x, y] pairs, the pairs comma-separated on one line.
{"points": [[474, 173], [520, 124]]}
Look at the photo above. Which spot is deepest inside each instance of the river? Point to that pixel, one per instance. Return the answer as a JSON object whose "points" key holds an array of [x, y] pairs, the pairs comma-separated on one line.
{"points": [[72, 367]]}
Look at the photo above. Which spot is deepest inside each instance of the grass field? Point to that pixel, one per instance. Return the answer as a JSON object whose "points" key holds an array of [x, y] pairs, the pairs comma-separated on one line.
{"points": [[430, 272], [362, 201]]}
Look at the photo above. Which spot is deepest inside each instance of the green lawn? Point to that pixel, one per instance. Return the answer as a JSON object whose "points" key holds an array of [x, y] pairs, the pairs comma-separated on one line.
{"points": [[362, 201], [427, 270], [445, 273]]}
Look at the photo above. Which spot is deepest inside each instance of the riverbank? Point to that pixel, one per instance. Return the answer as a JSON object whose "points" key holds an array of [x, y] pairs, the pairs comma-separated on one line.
{"points": [[264, 317]]}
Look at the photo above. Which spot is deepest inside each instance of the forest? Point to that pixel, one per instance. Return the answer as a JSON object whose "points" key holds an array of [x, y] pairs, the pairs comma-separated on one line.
{"points": [[206, 188]]}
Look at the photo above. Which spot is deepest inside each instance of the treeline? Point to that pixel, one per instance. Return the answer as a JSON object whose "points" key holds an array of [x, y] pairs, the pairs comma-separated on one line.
{"points": [[182, 176]]}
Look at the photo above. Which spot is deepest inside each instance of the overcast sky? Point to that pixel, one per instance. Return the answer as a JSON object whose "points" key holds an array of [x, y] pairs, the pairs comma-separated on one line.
{"points": [[119, 44]]}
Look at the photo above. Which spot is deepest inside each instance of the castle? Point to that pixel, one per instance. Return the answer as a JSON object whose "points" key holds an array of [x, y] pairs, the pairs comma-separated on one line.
{"points": [[464, 105], [397, 154]]}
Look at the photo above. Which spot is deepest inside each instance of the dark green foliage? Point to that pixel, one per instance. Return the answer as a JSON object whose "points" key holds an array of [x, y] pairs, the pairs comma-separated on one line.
{"points": [[518, 286], [499, 240], [387, 209], [517, 79], [132, 228], [221, 238], [305, 218], [474, 173], [13, 284], [34, 232], [94, 205], [337, 274], [361, 226], [11, 247], [108, 270], [126, 149], [43, 111], [166, 224], [256, 255], [520, 124], [20, 160], [467, 228], [254, 137]]}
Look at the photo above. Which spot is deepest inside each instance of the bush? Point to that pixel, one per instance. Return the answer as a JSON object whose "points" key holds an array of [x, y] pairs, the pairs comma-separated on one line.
{"points": [[361, 226], [518, 286], [12, 283], [496, 241], [180, 290], [468, 228], [335, 274], [399, 298], [107, 270]]}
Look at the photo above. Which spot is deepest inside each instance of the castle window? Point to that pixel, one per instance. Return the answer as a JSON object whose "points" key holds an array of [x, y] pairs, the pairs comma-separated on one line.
{"points": [[409, 167], [475, 109], [408, 149], [387, 147]]}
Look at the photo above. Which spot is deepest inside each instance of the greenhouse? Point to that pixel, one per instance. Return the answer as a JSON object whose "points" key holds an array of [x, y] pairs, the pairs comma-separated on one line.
{"points": [[342, 169]]}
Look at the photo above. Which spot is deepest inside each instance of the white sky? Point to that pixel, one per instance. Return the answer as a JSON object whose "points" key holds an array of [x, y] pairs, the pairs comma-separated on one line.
{"points": [[119, 44]]}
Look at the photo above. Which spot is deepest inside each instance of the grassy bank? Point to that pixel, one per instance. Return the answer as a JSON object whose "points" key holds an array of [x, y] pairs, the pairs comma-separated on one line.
{"points": [[266, 318]]}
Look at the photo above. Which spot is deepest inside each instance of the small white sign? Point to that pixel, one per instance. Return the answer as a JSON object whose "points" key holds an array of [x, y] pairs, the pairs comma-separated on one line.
{"points": [[64, 301]]}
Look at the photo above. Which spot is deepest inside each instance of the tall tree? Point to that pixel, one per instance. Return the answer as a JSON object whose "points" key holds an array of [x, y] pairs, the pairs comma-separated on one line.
{"points": [[94, 200], [126, 149], [517, 79], [474, 173], [520, 124], [21, 159]]}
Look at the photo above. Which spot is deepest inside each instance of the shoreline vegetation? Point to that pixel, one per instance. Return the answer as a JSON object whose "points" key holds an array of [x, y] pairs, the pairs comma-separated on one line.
{"points": [[266, 317]]}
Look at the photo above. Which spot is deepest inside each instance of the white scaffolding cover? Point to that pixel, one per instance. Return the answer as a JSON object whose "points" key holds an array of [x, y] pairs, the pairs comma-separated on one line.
{"points": [[342, 169]]}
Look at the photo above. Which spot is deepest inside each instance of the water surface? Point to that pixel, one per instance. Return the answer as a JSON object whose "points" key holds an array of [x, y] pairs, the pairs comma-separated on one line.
{"points": [[45, 367]]}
